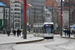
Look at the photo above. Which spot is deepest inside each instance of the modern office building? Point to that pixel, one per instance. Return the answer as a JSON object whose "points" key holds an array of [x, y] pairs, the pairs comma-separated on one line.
{"points": [[34, 12], [37, 10], [15, 14]]}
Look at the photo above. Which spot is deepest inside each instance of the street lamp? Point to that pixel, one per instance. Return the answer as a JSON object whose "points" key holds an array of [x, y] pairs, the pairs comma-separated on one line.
{"points": [[24, 20]]}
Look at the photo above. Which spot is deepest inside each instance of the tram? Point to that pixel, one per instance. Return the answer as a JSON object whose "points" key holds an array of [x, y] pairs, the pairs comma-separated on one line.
{"points": [[48, 30]]}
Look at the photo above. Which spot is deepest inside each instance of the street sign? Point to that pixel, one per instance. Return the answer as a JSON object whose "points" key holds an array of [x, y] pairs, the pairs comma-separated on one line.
{"points": [[29, 26]]}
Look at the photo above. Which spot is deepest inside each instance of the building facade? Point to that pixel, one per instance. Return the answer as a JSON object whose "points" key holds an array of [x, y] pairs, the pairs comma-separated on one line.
{"points": [[72, 9], [7, 2], [37, 11], [51, 6], [15, 14], [51, 3]]}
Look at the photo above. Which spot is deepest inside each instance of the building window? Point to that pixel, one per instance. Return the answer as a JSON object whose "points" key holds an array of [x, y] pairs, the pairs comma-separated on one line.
{"points": [[18, 9], [17, 13], [17, 6]]}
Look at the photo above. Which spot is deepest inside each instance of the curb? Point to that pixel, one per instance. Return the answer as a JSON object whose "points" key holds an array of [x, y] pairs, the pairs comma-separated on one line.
{"points": [[69, 37], [23, 42], [29, 41]]}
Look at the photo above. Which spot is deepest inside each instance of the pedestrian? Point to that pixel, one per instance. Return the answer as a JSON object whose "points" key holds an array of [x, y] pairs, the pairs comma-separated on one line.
{"points": [[65, 31], [8, 32], [68, 33], [18, 32], [72, 32], [14, 32]]}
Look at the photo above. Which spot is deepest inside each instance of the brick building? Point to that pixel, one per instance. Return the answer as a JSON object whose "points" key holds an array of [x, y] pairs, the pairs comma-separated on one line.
{"points": [[7, 2], [48, 3]]}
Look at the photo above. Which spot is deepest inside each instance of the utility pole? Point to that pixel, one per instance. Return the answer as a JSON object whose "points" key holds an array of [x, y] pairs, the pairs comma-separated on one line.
{"points": [[9, 17], [29, 21], [52, 11], [13, 18], [61, 19], [57, 19], [37, 22], [34, 17], [42, 14], [69, 18], [24, 22], [6, 21], [21, 17], [4, 29], [42, 17]]}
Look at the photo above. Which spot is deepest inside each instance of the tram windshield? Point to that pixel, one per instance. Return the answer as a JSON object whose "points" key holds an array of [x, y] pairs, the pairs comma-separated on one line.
{"points": [[49, 28]]}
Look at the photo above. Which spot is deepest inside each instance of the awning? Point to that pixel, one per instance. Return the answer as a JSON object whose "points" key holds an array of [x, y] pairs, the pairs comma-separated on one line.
{"points": [[2, 4]]}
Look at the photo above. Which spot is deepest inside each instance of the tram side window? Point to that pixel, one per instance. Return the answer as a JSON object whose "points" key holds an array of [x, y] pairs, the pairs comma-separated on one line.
{"points": [[52, 28], [44, 29]]}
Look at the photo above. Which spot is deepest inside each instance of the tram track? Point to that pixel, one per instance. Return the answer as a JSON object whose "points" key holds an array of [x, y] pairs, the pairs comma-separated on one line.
{"points": [[63, 46], [6, 46]]}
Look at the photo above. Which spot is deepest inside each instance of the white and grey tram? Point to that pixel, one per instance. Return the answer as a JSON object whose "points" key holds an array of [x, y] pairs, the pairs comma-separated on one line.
{"points": [[48, 30]]}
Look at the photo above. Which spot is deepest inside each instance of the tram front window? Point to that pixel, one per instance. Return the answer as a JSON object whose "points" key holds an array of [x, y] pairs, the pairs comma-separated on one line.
{"points": [[49, 29]]}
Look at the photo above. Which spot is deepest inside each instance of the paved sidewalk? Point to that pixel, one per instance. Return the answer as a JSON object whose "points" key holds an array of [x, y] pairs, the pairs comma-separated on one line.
{"points": [[63, 36], [4, 39]]}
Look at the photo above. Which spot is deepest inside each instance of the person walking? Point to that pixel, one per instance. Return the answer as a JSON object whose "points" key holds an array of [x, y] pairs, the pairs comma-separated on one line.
{"points": [[74, 33], [68, 31], [8, 32], [18, 32], [14, 32], [65, 31]]}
